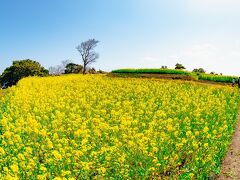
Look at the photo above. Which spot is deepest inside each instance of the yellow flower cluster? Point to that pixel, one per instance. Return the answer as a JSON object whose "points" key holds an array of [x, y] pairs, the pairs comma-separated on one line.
{"points": [[92, 126]]}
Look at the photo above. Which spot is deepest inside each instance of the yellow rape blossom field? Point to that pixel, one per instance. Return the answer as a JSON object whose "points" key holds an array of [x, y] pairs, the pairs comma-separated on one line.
{"points": [[92, 126]]}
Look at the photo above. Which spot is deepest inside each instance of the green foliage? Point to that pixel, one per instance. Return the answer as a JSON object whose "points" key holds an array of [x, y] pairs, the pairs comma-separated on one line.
{"points": [[195, 74], [152, 71], [72, 68], [179, 66], [213, 73], [199, 70], [21, 69], [163, 67], [216, 78], [125, 75]]}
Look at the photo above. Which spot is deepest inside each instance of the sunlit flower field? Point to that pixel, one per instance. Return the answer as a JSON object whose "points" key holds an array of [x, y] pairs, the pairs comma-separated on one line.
{"points": [[92, 126]]}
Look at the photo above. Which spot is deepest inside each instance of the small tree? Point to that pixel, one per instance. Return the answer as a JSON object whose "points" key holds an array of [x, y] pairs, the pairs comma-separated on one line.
{"points": [[101, 71], [199, 70], [88, 55], [163, 67], [92, 71], [73, 68], [179, 66], [59, 69]]}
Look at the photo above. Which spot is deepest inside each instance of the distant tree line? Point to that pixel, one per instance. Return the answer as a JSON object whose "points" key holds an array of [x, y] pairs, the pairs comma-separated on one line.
{"points": [[199, 71], [24, 68], [196, 70], [68, 67]]}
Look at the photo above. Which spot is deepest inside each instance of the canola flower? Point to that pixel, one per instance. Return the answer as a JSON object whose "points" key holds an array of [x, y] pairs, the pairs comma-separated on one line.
{"points": [[92, 126]]}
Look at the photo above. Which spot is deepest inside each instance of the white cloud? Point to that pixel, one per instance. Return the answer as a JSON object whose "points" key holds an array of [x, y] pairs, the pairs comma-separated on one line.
{"points": [[149, 62], [202, 5], [221, 59], [150, 59], [213, 6]]}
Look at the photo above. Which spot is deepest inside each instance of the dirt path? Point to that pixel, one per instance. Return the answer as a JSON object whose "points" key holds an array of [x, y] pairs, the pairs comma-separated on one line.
{"points": [[231, 163]]}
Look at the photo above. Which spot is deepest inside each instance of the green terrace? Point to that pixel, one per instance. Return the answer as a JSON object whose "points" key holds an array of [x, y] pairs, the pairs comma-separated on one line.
{"points": [[195, 76]]}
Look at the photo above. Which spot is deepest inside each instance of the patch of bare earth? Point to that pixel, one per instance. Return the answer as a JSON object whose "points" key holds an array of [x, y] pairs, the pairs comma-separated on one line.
{"points": [[231, 163], [165, 76]]}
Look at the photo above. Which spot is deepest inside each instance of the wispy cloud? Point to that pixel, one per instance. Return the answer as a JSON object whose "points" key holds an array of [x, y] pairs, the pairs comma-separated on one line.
{"points": [[213, 5], [212, 57], [150, 59]]}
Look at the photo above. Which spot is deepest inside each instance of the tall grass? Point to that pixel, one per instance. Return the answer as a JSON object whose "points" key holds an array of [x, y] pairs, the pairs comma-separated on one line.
{"points": [[216, 78]]}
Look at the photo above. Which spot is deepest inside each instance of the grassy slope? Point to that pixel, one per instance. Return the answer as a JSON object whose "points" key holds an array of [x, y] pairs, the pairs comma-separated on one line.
{"points": [[205, 77], [152, 71]]}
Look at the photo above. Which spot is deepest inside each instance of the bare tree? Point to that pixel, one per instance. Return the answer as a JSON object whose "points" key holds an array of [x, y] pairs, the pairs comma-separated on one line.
{"points": [[59, 69], [88, 55]]}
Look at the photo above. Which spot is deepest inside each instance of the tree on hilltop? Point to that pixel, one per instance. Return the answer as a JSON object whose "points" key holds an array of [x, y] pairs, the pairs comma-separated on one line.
{"points": [[199, 70], [163, 67], [20, 69], [179, 66], [88, 55]]}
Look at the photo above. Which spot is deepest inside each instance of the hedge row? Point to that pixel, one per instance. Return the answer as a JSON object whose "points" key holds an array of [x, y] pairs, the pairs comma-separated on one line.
{"points": [[216, 78], [152, 71]]}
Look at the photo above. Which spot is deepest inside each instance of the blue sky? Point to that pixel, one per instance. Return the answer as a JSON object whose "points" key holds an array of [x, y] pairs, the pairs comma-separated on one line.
{"points": [[132, 33]]}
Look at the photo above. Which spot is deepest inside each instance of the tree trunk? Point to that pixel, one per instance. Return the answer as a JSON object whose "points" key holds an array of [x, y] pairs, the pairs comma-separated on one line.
{"points": [[84, 69]]}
